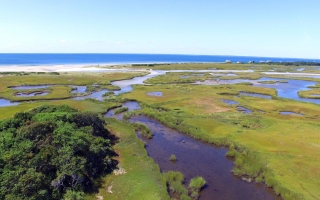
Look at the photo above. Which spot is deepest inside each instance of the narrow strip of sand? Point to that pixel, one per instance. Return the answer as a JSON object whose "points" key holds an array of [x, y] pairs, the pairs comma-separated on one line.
{"points": [[59, 68], [291, 74]]}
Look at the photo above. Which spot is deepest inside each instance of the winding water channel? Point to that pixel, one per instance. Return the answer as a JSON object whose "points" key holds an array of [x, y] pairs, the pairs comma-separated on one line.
{"points": [[195, 158]]}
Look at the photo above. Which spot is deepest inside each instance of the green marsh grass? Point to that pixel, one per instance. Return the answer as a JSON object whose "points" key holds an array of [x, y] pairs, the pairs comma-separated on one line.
{"points": [[310, 94], [197, 183], [120, 110], [173, 158], [143, 179], [262, 142]]}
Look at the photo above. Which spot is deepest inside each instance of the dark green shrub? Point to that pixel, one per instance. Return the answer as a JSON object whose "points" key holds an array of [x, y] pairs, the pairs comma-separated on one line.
{"points": [[50, 150]]}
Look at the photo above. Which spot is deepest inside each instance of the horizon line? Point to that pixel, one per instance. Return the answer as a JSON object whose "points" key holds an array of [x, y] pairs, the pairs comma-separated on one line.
{"points": [[177, 55]]}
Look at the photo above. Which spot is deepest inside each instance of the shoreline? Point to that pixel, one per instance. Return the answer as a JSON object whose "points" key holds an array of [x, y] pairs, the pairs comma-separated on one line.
{"points": [[62, 68]]}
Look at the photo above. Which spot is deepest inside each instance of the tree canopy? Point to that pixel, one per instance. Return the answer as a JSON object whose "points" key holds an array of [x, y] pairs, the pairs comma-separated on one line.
{"points": [[52, 150]]}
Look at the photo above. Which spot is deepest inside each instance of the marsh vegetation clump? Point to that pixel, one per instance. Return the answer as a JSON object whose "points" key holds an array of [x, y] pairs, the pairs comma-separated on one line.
{"points": [[174, 180], [120, 110], [173, 158], [144, 130], [195, 195], [107, 94], [197, 183]]}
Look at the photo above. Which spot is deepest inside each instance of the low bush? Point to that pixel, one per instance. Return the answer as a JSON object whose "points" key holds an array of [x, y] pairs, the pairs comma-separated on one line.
{"points": [[173, 158], [197, 183], [172, 176]]}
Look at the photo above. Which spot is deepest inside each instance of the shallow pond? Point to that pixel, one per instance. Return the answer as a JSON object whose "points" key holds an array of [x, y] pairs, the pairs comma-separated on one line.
{"points": [[94, 95], [78, 89], [229, 74], [155, 94], [196, 158], [229, 102], [290, 89], [126, 85], [287, 89], [131, 105], [243, 110], [5, 103], [290, 113], [32, 94]]}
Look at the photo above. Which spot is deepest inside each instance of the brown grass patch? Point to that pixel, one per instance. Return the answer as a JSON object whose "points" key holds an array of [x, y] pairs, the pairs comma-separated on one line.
{"points": [[209, 106]]}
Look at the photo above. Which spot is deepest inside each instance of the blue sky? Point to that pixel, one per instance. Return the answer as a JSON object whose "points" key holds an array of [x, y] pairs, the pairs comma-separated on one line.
{"points": [[286, 28]]}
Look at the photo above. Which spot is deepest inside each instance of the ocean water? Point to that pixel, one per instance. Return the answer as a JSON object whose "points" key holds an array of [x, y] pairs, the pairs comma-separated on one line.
{"points": [[62, 59]]}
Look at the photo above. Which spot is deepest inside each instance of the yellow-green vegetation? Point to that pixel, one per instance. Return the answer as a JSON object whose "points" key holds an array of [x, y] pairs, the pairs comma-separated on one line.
{"points": [[227, 66], [70, 78], [107, 94], [86, 105], [141, 178], [59, 90], [311, 94], [192, 77], [173, 158], [197, 183], [143, 130], [314, 86], [271, 82], [55, 92], [174, 180], [120, 110], [280, 150]]}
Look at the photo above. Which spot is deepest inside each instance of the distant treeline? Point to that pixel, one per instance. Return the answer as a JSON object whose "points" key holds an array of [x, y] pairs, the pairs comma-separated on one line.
{"points": [[300, 63]]}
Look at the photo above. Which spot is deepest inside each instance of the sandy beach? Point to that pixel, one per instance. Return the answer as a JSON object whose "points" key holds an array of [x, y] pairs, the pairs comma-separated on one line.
{"points": [[58, 68]]}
